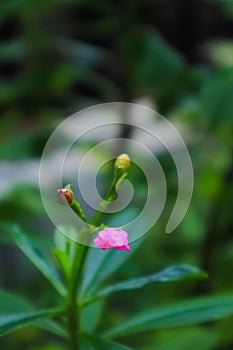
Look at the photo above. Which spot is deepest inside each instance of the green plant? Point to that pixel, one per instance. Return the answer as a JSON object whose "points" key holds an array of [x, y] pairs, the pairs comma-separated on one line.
{"points": [[78, 282]]}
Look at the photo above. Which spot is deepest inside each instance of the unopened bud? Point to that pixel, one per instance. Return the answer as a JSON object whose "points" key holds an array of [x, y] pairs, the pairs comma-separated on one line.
{"points": [[122, 164], [65, 196]]}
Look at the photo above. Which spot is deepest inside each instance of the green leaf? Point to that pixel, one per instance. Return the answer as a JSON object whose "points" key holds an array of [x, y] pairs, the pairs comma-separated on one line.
{"points": [[35, 256], [220, 52], [180, 339], [170, 274], [190, 312], [13, 305], [90, 342], [91, 312], [216, 98], [11, 323], [52, 327], [84, 345], [60, 240], [48, 347], [100, 265], [153, 65], [80, 52], [63, 261], [8, 8], [13, 50]]}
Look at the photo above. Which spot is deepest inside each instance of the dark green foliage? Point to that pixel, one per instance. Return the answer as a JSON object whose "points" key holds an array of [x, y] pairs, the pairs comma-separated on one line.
{"points": [[57, 57]]}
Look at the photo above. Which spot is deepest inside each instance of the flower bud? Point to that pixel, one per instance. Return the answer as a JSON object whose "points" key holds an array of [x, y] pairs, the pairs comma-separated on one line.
{"points": [[65, 196], [122, 164]]}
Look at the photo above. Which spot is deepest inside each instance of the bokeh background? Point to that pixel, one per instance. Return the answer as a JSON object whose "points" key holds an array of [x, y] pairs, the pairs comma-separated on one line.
{"points": [[57, 57]]}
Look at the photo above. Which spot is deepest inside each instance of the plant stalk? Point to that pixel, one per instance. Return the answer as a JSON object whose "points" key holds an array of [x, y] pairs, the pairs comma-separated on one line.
{"points": [[104, 203], [77, 267]]}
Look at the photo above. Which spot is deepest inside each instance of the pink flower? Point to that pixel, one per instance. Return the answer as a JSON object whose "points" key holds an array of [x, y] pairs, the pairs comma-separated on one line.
{"points": [[112, 238]]}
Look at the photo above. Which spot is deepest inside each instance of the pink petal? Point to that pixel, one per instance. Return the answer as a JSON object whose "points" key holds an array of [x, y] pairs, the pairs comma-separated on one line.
{"points": [[112, 238], [124, 247]]}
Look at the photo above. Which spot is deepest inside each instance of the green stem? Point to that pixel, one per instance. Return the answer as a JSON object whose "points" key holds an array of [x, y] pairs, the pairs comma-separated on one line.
{"points": [[78, 210], [77, 267], [104, 203], [73, 310]]}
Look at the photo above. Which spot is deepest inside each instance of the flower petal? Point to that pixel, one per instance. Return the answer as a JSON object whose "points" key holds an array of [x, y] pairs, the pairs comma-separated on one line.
{"points": [[112, 238]]}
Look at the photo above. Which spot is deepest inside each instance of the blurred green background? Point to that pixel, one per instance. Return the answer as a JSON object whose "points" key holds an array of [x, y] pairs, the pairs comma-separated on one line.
{"points": [[57, 57]]}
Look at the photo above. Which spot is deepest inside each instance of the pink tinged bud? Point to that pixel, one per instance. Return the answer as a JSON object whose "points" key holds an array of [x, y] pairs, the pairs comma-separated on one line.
{"points": [[115, 238], [65, 196]]}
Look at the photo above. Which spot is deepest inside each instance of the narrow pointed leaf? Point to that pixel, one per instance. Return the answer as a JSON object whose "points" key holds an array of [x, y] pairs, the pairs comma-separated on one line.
{"points": [[11, 323], [63, 261], [62, 242], [190, 312], [91, 312], [52, 327], [35, 256], [170, 274], [100, 265], [90, 342], [177, 339], [11, 305]]}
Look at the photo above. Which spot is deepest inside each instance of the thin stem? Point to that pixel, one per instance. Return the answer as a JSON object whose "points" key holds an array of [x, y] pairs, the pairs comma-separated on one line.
{"points": [[73, 310], [104, 203], [77, 267], [78, 210]]}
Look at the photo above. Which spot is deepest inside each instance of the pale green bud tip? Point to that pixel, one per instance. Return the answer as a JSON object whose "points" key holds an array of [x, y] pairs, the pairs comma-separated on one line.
{"points": [[65, 196], [122, 162]]}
